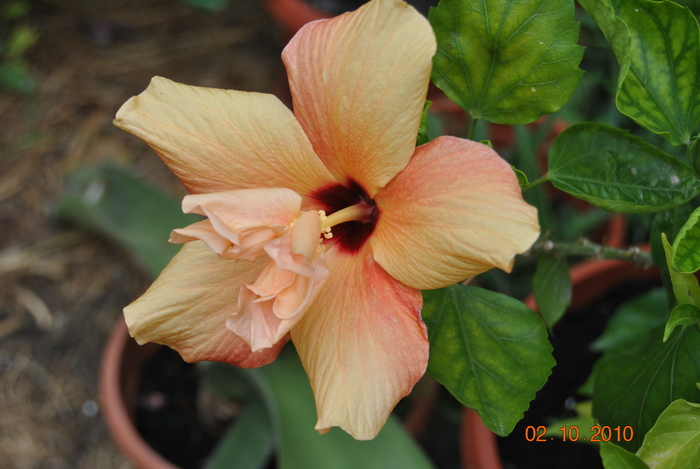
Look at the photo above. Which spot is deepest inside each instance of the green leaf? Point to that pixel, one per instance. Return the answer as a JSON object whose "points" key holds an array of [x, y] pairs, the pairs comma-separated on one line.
{"points": [[682, 315], [506, 62], [632, 321], [634, 388], [522, 177], [15, 76], [686, 247], [249, 440], [693, 155], [116, 204], [248, 444], [423, 132], [616, 171], [552, 288], [21, 38], [289, 396], [685, 286], [211, 5], [489, 350], [613, 29], [15, 10], [669, 222], [674, 440], [615, 457], [658, 85], [660, 89]]}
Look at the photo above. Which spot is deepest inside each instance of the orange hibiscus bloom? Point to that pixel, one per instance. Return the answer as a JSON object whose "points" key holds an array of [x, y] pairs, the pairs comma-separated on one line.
{"points": [[268, 265]]}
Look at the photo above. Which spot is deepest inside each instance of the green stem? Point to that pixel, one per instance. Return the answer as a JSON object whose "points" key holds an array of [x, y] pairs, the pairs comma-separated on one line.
{"points": [[536, 182], [472, 127], [591, 250]]}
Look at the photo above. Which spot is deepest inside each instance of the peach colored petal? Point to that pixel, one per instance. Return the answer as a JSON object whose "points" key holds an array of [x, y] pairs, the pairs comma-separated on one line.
{"points": [[217, 140], [285, 289], [454, 212], [187, 306], [242, 220], [362, 343], [204, 231], [359, 83], [295, 251]]}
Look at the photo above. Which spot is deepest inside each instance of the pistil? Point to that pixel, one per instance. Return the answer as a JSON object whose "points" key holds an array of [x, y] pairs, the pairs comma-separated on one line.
{"points": [[361, 212]]}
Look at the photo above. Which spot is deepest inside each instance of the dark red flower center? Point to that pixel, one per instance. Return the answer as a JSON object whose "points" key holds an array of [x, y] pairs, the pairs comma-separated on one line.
{"points": [[349, 237]]}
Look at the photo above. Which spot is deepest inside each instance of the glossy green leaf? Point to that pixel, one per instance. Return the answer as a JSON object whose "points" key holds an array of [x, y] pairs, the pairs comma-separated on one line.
{"points": [[686, 247], [682, 315], [286, 388], [489, 350], [658, 85], [669, 222], [685, 286], [634, 388], [118, 205], [506, 62], [551, 286], [674, 441], [618, 172], [632, 321], [615, 457], [660, 89]]}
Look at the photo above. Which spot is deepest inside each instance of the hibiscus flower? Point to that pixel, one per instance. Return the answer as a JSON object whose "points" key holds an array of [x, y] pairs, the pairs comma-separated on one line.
{"points": [[324, 224]]}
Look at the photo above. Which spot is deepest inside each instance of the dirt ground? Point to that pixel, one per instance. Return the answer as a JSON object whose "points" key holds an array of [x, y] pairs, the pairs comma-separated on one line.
{"points": [[62, 291]]}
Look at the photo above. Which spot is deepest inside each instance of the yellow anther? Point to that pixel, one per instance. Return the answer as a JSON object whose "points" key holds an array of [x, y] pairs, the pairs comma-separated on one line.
{"points": [[328, 235]]}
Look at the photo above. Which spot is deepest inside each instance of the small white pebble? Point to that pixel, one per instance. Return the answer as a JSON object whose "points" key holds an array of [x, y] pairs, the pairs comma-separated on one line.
{"points": [[89, 408]]}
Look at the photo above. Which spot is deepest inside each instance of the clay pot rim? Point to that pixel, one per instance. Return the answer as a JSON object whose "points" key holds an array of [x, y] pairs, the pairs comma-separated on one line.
{"points": [[116, 415]]}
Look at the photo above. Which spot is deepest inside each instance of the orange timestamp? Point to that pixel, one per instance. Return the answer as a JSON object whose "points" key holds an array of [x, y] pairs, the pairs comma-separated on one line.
{"points": [[598, 433]]}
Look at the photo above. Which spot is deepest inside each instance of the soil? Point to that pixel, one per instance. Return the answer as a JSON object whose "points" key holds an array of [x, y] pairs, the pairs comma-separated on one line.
{"points": [[61, 290]]}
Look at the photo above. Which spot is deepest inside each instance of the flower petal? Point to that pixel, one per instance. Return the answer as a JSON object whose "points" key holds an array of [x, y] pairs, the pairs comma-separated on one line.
{"points": [[359, 83], [187, 306], [217, 140], [454, 212], [273, 304], [240, 221], [362, 344]]}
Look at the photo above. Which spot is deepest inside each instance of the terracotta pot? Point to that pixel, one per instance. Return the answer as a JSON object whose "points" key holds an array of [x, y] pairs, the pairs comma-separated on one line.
{"points": [[478, 443], [120, 380], [293, 14]]}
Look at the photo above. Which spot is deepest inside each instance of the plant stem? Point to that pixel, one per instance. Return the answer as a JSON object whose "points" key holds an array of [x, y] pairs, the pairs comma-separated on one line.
{"points": [[472, 127], [591, 250], [536, 182]]}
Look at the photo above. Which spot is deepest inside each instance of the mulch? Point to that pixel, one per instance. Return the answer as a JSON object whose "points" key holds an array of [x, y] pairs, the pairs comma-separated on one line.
{"points": [[62, 290]]}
